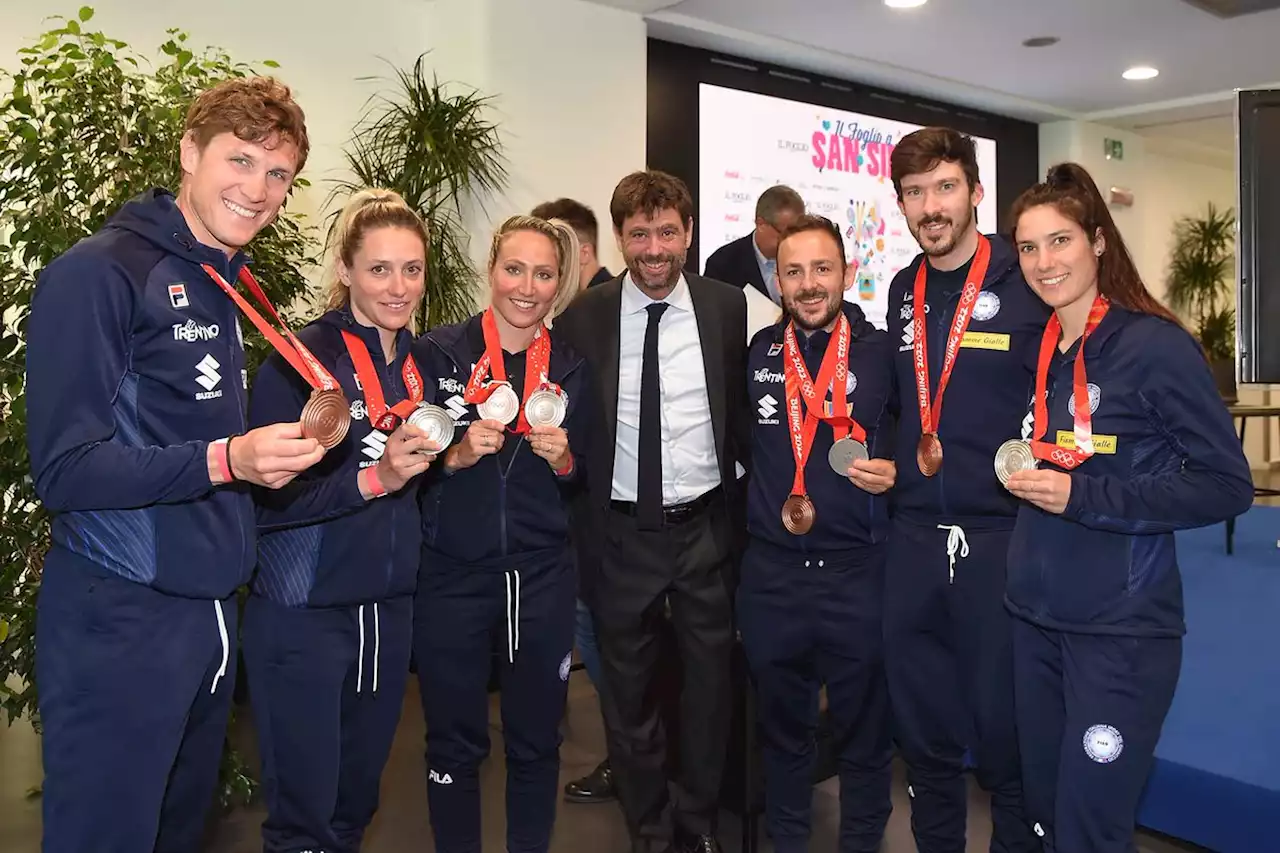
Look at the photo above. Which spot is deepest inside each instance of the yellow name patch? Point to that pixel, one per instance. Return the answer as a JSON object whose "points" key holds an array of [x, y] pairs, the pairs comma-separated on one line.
{"points": [[985, 340], [1101, 443]]}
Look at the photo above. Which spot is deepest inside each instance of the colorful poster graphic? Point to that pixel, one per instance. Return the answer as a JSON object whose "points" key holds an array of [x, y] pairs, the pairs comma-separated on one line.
{"points": [[837, 161]]}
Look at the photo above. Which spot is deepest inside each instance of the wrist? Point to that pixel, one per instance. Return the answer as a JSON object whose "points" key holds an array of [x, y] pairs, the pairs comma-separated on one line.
{"points": [[371, 486], [218, 460], [565, 468]]}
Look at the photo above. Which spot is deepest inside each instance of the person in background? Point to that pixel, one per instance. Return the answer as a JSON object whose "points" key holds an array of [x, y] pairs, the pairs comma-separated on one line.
{"points": [[752, 260], [497, 563], [663, 503], [596, 786], [584, 224], [328, 623], [1128, 441], [812, 585], [963, 322], [136, 428]]}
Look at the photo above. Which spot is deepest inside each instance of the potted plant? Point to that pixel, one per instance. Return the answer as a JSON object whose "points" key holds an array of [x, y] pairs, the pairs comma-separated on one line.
{"points": [[83, 128], [1200, 287], [440, 152]]}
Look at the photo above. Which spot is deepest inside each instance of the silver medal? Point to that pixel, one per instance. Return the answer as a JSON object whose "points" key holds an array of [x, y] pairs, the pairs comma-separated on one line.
{"points": [[435, 422], [1013, 456], [844, 453], [546, 407], [502, 405]]}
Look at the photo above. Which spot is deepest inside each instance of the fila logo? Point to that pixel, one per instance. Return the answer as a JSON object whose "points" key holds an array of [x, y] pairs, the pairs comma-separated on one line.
{"points": [[764, 374], [208, 378], [375, 444], [359, 387], [446, 779], [768, 408], [456, 406], [453, 386], [192, 332], [774, 349], [178, 295]]}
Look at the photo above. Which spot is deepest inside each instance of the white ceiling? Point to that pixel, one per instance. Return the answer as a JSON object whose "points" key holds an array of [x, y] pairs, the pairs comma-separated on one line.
{"points": [[970, 52]]}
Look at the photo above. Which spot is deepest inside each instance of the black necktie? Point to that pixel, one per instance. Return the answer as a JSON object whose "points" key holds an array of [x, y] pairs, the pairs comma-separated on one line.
{"points": [[649, 471]]}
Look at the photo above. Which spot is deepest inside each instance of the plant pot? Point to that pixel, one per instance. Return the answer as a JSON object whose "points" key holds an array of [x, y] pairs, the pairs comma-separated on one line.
{"points": [[1224, 376]]}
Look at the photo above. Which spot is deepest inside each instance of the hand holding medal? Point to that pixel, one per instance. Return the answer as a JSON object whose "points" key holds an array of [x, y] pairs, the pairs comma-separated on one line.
{"points": [[483, 438], [552, 444], [409, 451]]}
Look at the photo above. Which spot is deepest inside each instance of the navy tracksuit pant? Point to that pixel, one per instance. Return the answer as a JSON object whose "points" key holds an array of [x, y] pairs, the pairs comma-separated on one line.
{"points": [[809, 620], [949, 661], [327, 686], [463, 614], [135, 691], [1090, 709]]}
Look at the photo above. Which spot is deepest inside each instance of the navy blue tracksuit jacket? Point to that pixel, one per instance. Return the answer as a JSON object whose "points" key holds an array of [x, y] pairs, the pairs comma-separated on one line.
{"points": [[134, 365], [497, 574], [809, 606], [329, 625], [947, 635], [1096, 590]]}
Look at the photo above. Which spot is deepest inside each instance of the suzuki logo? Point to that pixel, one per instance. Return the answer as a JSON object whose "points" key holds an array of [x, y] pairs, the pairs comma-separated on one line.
{"points": [[191, 332], [457, 407], [209, 377], [768, 406], [375, 443]]}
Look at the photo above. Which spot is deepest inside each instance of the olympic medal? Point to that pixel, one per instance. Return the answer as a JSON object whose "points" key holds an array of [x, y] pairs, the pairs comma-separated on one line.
{"points": [[435, 422], [502, 405], [844, 453], [1013, 456], [326, 417], [798, 515], [929, 454], [546, 407]]}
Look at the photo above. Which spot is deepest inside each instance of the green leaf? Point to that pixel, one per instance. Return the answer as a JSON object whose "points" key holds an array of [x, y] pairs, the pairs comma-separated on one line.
{"points": [[73, 27], [86, 12], [270, 63]]}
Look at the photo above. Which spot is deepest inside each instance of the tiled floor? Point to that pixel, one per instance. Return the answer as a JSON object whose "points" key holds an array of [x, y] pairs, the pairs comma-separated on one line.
{"points": [[402, 826]]}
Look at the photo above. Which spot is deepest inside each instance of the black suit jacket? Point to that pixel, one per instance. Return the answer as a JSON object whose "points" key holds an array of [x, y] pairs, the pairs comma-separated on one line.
{"points": [[736, 264], [592, 324]]}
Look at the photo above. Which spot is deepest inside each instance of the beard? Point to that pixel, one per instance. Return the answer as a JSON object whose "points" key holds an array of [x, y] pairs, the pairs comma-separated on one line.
{"points": [[948, 245], [830, 310], [644, 278]]}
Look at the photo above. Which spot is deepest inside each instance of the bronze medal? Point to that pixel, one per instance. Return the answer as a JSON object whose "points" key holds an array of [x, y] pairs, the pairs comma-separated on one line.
{"points": [[929, 454], [798, 515], [326, 417]]}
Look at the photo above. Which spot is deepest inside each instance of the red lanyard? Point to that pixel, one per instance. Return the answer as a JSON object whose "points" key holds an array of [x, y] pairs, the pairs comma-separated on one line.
{"points": [[288, 345], [382, 416], [1051, 452], [537, 363], [930, 415]]}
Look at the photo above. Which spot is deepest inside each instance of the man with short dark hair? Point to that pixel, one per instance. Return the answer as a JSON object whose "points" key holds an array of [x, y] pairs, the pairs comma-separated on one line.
{"points": [[752, 260], [583, 221], [663, 493], [964, 323]]}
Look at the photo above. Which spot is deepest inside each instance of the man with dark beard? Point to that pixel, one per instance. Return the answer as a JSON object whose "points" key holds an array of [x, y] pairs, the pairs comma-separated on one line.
{"points": [[965, 324], [812, 587], [662, 499]]}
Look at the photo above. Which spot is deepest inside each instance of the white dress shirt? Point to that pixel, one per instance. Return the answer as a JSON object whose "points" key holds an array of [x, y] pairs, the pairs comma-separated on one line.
{"points": [[768, 271], [690, 467]]}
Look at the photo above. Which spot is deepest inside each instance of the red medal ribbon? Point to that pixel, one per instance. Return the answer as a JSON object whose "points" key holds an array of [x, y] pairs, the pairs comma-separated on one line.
{"points": [[1063, 457], [930, 415], [288, 345], [831, 375], [382, 416], [537, 362]]}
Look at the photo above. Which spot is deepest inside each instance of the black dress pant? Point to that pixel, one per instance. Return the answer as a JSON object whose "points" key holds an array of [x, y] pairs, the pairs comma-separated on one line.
{"points": [[682, 568]]}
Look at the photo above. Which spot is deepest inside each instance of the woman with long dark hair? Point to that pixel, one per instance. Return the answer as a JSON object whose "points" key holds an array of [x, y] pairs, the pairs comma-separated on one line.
{"points": [[1128, 441]]}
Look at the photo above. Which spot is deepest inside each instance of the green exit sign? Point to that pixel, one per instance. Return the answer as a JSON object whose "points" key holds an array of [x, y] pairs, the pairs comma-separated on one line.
{"points": [[1113, 149]]}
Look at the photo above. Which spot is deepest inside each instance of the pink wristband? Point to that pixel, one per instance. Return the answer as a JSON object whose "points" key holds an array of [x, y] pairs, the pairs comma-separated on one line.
{"points": [[221, 454], [372, 484]]}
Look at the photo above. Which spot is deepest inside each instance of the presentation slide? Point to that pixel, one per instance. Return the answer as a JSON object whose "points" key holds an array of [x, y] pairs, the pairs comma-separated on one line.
{"points": [[837, 161]]}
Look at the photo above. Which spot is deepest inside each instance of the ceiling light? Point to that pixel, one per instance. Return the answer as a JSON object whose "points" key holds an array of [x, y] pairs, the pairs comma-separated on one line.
{"points": [[1040, 41], [904, 4], [1140, 72]]}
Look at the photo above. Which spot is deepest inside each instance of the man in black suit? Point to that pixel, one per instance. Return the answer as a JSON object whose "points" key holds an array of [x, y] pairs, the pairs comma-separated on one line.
{"points": [[583, 221], [668, 350], [753, 259]]}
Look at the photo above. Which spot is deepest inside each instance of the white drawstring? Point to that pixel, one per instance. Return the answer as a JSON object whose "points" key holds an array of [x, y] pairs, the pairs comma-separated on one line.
{"points": [[956, 541], [377, 643], [513, 622], [226, 646], [360, 666]]}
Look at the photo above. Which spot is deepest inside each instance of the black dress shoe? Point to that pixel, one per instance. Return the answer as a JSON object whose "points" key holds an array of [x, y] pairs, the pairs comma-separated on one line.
{"points": [[701, 844], [594, 788]]}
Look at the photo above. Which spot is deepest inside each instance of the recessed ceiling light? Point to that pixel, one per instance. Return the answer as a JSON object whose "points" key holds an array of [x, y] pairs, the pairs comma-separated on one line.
{"points": [[1041, 41], [904, 4], [1140, 72]]}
